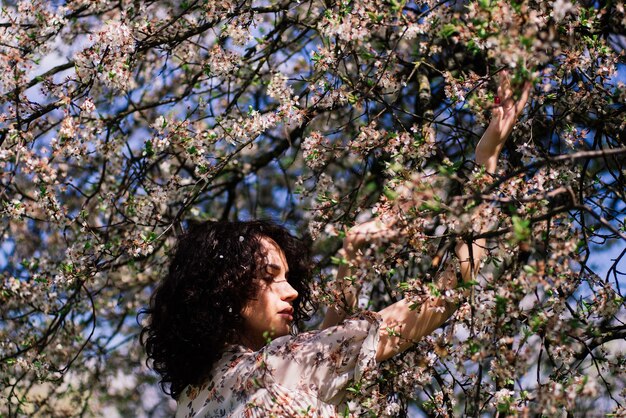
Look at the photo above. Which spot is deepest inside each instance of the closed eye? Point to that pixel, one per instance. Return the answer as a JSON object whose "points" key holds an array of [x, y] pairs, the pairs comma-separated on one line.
{"points": [[275, 269]]}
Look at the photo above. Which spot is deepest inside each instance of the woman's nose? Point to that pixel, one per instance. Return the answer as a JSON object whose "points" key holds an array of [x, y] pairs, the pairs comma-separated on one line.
{"points": [[289, 293]]}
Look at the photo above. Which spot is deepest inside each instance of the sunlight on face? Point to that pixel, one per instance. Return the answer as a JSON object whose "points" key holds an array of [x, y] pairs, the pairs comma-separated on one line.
{"points": [[269, 314]]}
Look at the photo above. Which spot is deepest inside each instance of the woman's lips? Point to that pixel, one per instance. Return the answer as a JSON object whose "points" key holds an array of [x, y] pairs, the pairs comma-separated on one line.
{"points": [[286, 315]]}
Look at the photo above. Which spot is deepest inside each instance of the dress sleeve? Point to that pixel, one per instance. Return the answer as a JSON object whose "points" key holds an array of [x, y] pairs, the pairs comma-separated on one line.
{"points": [[324, 362]]}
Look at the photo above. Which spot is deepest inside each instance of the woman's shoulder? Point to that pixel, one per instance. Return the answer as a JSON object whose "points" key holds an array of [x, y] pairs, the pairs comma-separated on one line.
{"points": [[228, 381], [311, 365], [232, 359], [234, 355]]}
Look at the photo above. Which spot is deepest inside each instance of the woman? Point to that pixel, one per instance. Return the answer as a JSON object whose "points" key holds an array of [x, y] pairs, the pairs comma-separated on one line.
{"points": [[219, 323]]}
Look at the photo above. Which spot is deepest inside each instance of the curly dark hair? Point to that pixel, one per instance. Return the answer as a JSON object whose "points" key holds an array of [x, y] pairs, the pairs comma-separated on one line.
{"points": [[195, 310]]}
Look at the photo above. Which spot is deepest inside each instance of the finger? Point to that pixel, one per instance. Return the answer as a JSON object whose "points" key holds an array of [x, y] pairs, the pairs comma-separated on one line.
{"points": [[523, 97], [389, 221], [504, 77], [508, 91], [497, 115], [506, 96], [505, 82], [508, 104], [369, 229]]}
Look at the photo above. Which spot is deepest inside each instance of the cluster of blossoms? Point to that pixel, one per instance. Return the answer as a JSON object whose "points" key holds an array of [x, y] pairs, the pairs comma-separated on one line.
{"points": [[109, 57], [220, 62], [346, 25], [278, 88], [326, 97], [323, 57], [326, 198], [238, 30], [368, 139], [417, 145], [315, 150]]}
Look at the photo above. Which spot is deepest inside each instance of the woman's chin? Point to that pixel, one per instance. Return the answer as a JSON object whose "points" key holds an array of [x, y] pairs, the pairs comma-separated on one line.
{"points": [[281, 331]]}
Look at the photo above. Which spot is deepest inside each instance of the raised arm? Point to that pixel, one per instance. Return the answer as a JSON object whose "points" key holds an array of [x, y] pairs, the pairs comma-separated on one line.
{"points": [[408, 326], [356, 238], [504, 116]]}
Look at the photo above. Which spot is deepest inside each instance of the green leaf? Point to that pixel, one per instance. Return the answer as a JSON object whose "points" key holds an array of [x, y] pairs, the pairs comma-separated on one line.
{"points": [[339, 261], [467, 285], [448, 30], [501, 303], [430, 205], [521, 228], [527, 41], [390, 194], [148, 149], [374, 17], [529, 269], [42, 280]]}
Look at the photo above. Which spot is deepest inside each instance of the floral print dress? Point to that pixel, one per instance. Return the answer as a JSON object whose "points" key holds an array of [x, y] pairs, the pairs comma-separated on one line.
{"points": [[302, 376]]}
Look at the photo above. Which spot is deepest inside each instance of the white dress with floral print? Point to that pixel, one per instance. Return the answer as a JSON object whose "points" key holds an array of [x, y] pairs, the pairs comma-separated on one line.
{"points": [[302, 376]]}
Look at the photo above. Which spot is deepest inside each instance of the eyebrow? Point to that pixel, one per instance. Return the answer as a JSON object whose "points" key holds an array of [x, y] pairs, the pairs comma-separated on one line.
{"points": [[275, 267]]}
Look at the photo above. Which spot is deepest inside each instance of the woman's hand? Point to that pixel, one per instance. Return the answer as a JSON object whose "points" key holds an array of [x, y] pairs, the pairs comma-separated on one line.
{"points": [[505, 114], [356, 238], [360, 235]]}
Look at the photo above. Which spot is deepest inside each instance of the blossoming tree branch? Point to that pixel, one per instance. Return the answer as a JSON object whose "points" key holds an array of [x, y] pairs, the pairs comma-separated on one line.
{"points": [[121, 121]]}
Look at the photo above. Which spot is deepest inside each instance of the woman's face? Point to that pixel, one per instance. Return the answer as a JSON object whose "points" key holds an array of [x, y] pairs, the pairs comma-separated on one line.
{"points": [[269, 314]]}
